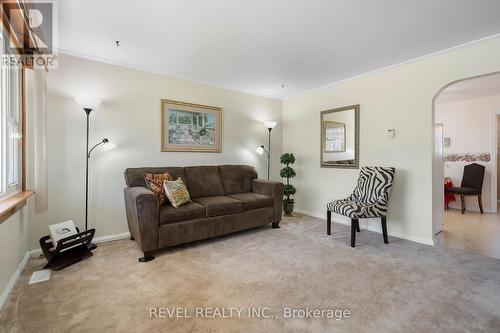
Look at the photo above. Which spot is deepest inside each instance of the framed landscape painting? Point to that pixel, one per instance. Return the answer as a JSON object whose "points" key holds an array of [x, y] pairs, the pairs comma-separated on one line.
{"points": [[190, 127]]}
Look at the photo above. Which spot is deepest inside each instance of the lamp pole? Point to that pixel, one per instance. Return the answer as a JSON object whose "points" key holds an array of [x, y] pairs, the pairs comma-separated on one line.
{"points": [[269, 154], [270, 124], [88, 104], [91, 246], [87, 111]]}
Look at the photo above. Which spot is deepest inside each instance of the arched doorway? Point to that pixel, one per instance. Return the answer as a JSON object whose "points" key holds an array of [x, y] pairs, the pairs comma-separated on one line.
{"points": [[465, 131]]}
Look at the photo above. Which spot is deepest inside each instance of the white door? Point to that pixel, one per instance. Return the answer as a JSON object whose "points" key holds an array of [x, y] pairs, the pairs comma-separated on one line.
{"points": [[438, 181]]}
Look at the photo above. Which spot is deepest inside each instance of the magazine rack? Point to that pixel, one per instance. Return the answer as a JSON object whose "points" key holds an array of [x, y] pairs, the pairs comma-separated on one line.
{"points": [[68, 251]]}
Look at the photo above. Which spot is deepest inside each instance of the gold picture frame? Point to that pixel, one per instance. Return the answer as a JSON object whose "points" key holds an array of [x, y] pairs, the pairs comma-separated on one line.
{"points": [[188, 127]]}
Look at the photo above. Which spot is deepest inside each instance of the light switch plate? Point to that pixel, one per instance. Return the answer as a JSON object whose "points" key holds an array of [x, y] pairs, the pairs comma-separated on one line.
{"points": [[447, 142]]}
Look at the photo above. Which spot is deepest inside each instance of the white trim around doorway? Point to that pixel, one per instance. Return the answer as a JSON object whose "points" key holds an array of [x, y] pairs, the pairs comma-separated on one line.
{"points": [[494, 151]]}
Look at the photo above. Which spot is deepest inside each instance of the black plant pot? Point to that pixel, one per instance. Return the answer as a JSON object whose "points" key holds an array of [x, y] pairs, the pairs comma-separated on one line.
{"points": [[288, 208]]}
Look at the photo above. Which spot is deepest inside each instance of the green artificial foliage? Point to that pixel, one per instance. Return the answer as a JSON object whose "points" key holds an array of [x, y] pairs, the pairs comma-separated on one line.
{"points": [[287, 172], [289, 190], [287, 159]]}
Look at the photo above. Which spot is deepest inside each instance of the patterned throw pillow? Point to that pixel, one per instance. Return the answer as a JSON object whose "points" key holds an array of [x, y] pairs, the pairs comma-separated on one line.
{"points": [[155, 184], [177, 192]]}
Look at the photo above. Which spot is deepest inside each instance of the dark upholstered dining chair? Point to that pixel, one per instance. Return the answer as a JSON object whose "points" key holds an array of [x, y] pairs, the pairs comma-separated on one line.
{"points": [[472, 185], [370, 199]]}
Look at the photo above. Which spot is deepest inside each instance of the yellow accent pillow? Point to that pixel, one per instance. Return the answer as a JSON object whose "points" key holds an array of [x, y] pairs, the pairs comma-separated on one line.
{"points": [[176, 192]]}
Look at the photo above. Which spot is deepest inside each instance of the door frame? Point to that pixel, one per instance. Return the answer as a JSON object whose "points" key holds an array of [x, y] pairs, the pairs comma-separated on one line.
{"points": [[494, 156], [437, 211], [438, 164]]}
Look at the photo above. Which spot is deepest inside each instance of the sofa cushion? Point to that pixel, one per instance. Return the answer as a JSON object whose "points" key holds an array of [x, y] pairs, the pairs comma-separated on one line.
{"points": [[220, 205], [237, 178], [190, 211], [253, 200], [203, 181], [135, 176]]}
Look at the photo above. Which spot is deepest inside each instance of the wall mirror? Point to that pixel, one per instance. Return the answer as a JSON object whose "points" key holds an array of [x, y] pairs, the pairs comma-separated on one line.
{"points": [[340, 137]]}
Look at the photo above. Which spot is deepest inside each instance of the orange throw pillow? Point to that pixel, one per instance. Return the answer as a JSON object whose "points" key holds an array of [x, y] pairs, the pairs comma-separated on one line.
{"points": [[155, 184]]}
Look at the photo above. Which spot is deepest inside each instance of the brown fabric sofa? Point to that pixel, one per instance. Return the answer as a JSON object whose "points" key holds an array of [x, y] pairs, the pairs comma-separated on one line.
{"points": [[226, 199]]}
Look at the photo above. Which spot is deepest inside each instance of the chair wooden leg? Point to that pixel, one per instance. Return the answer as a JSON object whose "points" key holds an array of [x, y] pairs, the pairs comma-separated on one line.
{"points": [[328, 222], [354, 223], [357, 227], [462, 201], [384, 229], [480, 200]]}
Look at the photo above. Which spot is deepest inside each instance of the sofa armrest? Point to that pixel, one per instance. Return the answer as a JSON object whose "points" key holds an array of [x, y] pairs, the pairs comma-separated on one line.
{"points": [[142, 208], [274, 190]]}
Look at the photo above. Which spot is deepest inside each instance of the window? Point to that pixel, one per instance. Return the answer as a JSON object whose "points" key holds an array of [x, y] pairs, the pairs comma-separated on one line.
{"points": [[10, 128]]}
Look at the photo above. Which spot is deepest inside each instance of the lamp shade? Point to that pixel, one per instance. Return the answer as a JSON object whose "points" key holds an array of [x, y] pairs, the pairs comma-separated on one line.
{"points": [[108, 146], [88, 103], [270, 124], [259, 150]]}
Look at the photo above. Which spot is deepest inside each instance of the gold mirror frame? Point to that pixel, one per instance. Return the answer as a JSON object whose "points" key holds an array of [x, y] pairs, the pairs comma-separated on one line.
{"points": [[323, 164]]}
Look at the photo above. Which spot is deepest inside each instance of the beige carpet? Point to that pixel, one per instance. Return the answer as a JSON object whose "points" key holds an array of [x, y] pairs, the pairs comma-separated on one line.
{"points": [[400, 287]]}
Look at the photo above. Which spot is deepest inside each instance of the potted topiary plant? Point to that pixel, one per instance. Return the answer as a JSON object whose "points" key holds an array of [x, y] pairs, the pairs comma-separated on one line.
{"points": [[287, 172]]}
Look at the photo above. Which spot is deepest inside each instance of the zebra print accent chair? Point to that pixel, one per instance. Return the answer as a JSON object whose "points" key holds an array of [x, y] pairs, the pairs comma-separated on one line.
{"points": [[369, 199]]}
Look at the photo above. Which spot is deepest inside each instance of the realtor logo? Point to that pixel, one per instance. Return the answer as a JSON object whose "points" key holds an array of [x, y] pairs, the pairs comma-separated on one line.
{"points": [[29, 33]]}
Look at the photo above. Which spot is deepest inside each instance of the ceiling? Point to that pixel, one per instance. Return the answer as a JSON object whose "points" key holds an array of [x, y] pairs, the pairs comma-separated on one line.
{"points": [[473, 88], [256, 46]]}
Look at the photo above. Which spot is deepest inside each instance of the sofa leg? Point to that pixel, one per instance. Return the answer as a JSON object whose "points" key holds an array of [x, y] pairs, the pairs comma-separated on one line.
{"points": [[328, 222], [132, 237], [148, 256], [276, 225], [354, 223]]}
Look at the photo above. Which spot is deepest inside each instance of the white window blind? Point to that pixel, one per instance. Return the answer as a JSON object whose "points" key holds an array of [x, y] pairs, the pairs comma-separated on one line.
{"points": [[10, 128]]}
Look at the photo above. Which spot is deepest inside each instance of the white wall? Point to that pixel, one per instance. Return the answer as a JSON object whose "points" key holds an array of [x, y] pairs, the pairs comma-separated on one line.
{"points": [[13, 249], [399, 97], [130, 117], [468, 124]]}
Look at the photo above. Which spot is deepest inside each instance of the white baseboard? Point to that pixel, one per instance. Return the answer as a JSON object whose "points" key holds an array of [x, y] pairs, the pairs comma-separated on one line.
{"points": [[98, 240], [13, 279], [346, 221], [111, 238]]}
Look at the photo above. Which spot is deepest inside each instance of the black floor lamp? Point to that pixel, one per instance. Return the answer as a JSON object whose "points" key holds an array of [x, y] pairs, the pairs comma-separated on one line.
{"points": [[88, 105], [270, 124]]}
